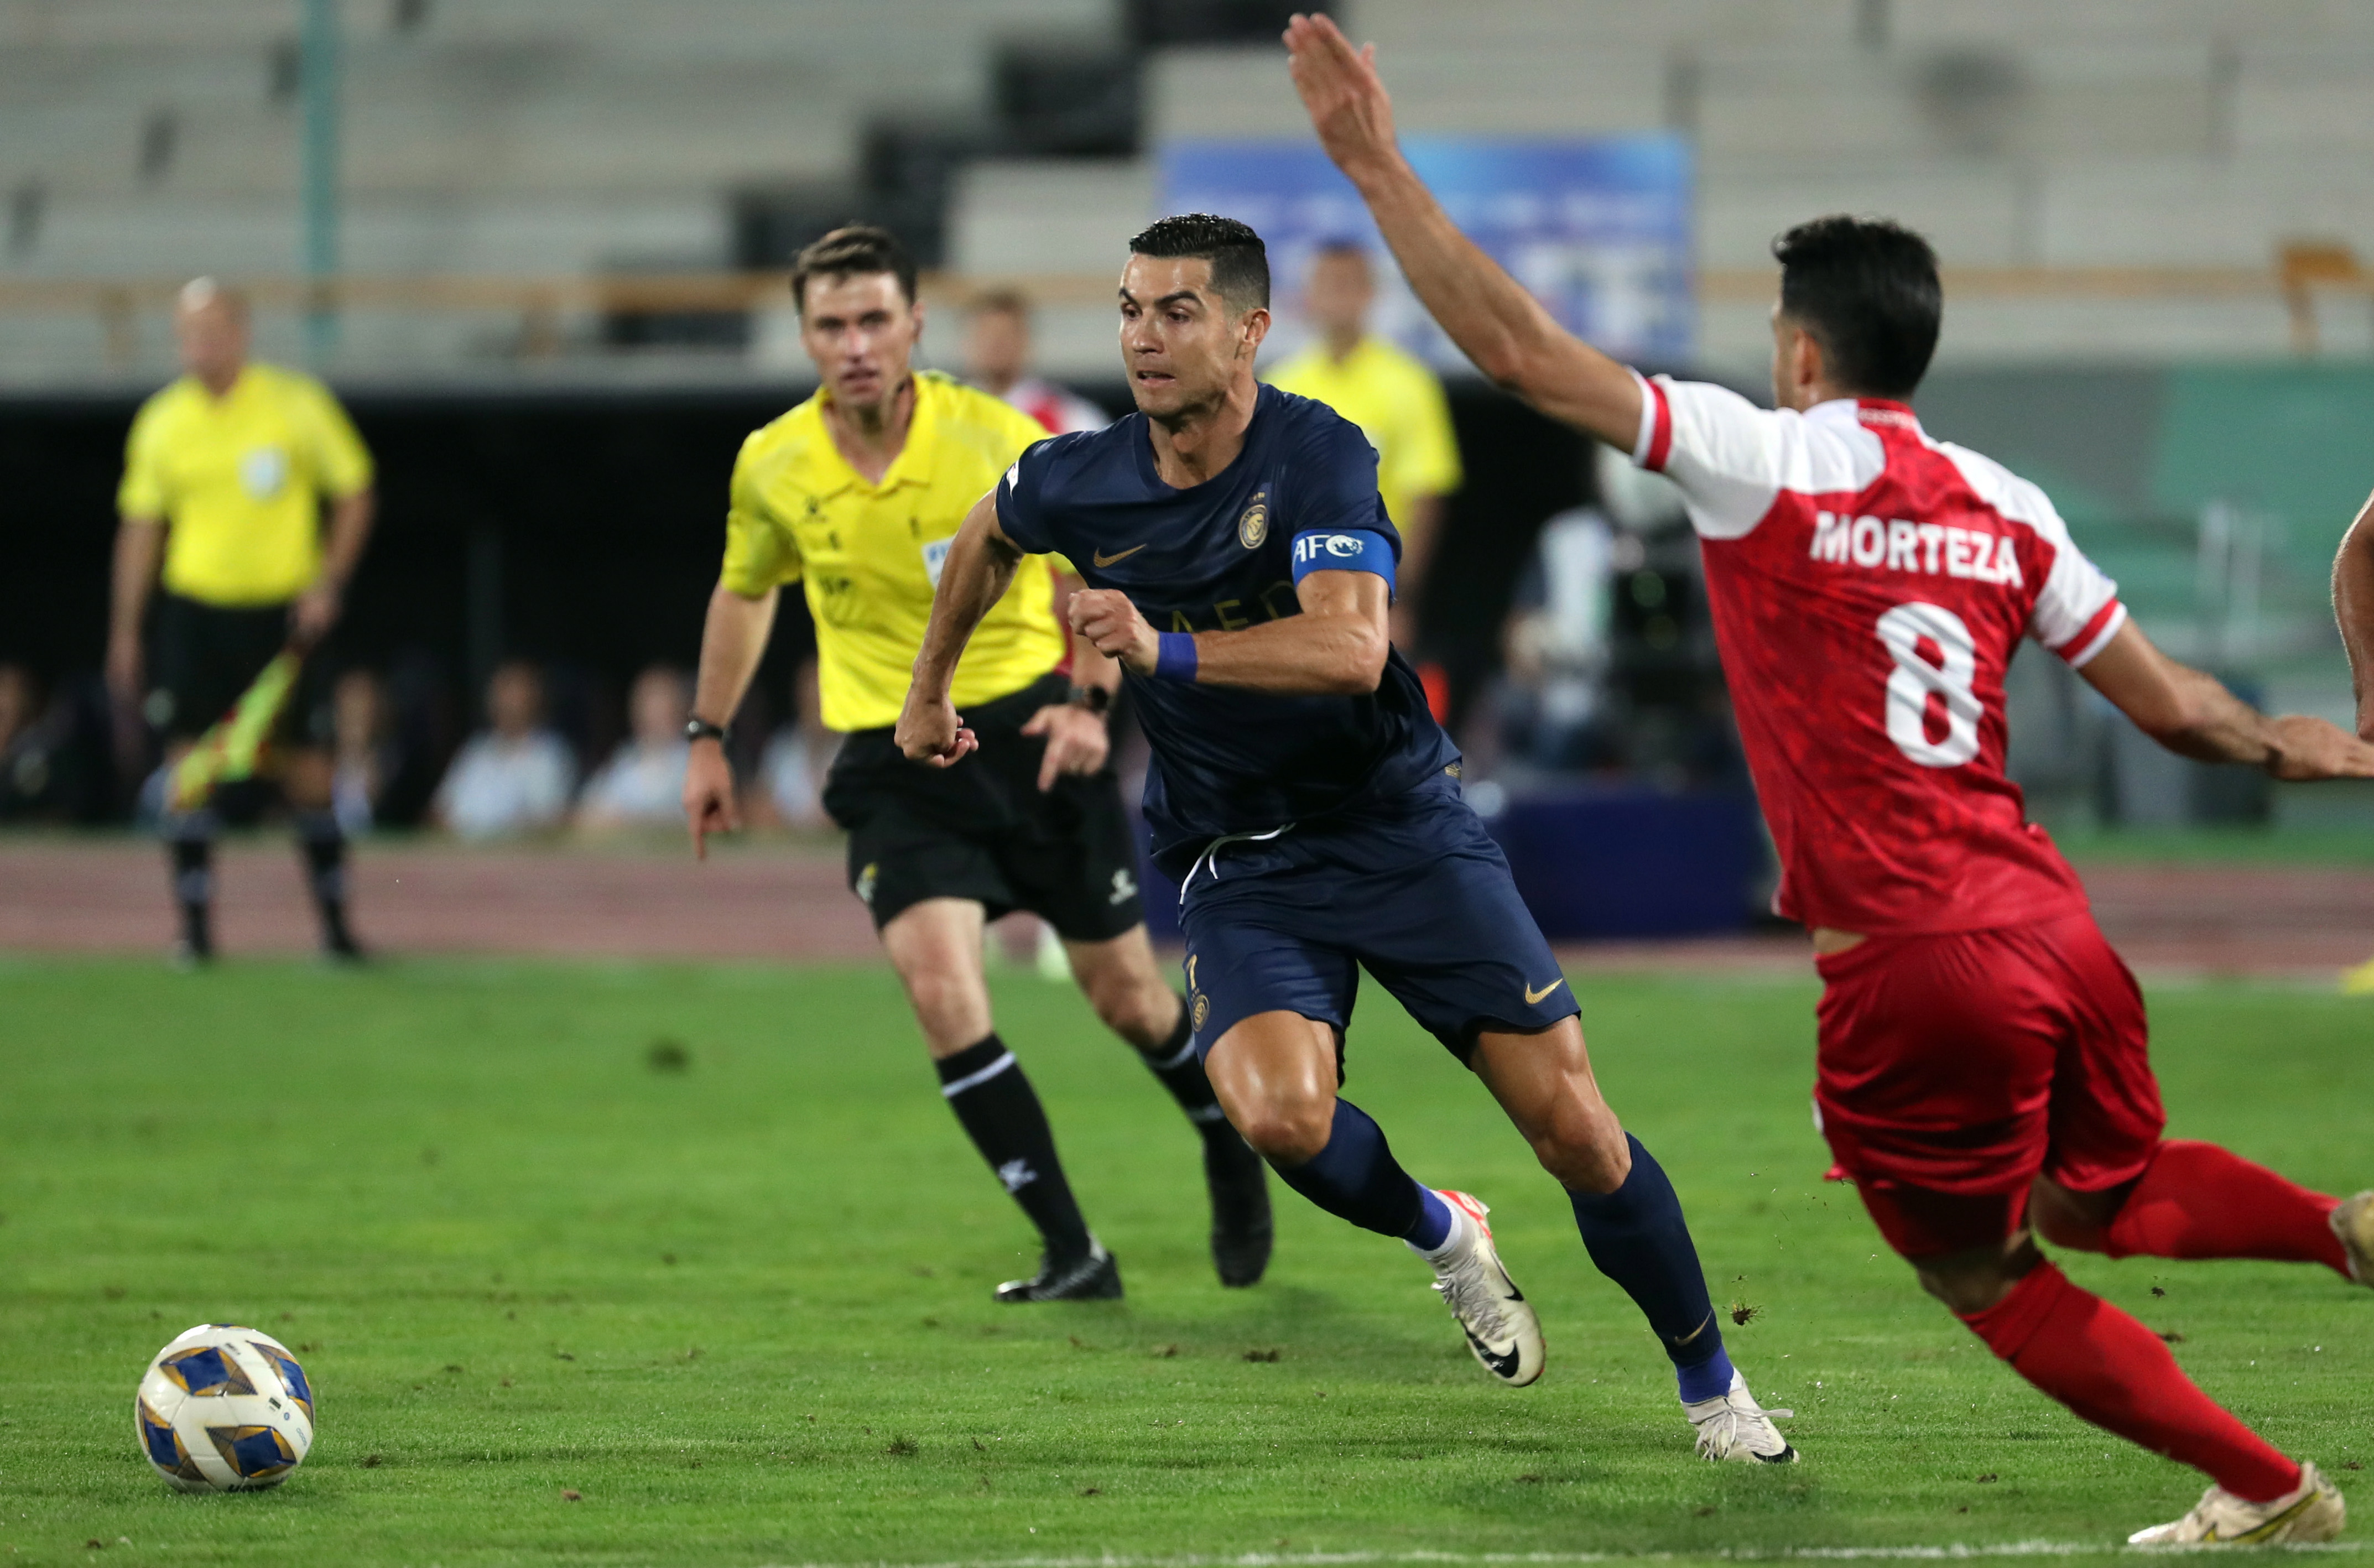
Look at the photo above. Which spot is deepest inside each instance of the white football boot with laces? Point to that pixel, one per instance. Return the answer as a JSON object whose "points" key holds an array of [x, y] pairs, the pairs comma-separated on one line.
{"points": [[2310, 1512], [2354, 1224], [1734, 1429], [1498, 1319]]}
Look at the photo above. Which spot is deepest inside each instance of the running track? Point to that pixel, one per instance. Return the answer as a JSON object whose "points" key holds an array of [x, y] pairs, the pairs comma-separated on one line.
{"points": [[787, 901]]}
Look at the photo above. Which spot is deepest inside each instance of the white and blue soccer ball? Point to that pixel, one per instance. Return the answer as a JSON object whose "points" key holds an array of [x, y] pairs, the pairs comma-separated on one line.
{"points": [[225, 1408]]}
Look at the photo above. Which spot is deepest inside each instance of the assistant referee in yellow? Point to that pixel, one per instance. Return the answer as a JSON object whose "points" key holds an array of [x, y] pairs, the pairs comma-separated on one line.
{"points": [[855, 495], [227, 477]]}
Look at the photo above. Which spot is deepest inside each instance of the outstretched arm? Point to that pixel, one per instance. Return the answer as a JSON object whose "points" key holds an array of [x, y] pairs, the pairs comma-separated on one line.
{"points": [[2352, 605], [1336, 646], [981, 564], [1495, 324], [2191, 714]]}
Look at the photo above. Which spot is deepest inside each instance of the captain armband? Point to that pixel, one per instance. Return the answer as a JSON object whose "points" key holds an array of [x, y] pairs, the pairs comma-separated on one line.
{"points": [[1347, 550]]}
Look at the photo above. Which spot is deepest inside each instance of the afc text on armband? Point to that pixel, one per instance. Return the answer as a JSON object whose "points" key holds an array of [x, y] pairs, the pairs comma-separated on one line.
{"points": [[1899, 545]]}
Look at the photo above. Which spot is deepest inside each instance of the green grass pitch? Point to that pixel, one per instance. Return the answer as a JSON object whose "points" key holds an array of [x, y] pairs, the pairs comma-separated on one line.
{"points": [[564, 1305]]}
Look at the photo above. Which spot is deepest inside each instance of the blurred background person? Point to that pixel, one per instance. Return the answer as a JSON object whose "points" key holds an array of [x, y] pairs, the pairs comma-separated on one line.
{"points": [[1399, 405], [788, 789], [641, 785], [997, 360], [226, 477], [359, 747], [514, 777]]}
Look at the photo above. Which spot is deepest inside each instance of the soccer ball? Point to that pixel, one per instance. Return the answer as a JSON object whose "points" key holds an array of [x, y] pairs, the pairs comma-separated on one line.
{"points": [[223, 1409]]}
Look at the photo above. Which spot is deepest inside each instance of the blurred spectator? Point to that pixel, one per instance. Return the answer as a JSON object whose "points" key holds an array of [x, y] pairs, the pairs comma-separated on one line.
{"points": [[1558, 648], [359, 750], [1395, 400], [514, 776], [642, 784], [55, 761], [998, 357], [789, 792], [25, 746]]}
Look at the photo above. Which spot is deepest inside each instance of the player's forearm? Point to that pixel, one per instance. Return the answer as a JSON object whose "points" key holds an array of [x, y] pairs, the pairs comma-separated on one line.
{"points": [[733, 640], [2353, 606], [350, 526], [1500, 326], [1339, 654], [139, 542], [980, 567]]}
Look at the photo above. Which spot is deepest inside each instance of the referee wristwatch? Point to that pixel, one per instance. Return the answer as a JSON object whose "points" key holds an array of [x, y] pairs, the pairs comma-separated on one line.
{"points": [[698, 729], [1096, 699]]}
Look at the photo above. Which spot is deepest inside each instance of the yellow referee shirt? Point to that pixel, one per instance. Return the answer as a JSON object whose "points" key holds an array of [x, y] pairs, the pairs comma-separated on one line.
{"points": [[239, 481], [870, 555], [1398, 405]]}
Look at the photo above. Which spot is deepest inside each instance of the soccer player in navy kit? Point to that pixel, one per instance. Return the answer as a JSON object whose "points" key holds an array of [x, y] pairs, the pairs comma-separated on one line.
{"points": [[1240, 568]]}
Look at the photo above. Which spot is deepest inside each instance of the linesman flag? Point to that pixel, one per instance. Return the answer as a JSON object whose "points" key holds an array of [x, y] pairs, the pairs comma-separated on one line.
{"points": [[233, 747]]}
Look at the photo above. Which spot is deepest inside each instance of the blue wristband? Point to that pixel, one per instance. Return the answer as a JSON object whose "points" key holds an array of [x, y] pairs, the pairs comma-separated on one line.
{"points": [[1174, 658]]}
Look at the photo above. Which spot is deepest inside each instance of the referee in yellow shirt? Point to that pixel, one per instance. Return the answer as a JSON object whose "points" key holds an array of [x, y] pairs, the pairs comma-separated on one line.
{"points": [[1395, 400], [855, 495], [226, 477]]}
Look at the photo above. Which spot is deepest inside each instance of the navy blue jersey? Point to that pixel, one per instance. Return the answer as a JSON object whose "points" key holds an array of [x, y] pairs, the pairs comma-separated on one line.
{"points": [[1220, 556]]}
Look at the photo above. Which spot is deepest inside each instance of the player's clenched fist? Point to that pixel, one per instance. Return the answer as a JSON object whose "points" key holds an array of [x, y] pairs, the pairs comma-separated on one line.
{"points": [[1114, 627], [931, 731]]}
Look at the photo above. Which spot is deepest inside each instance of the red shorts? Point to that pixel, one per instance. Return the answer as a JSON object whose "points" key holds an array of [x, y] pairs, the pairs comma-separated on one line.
{"points": [[1953, 1070]]}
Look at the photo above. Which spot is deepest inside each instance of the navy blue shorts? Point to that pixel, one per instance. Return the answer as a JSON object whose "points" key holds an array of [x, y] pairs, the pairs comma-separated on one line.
{"points": [[1411, 889]]}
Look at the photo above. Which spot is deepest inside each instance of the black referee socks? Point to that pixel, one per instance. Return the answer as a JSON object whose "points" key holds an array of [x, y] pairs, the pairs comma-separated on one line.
{"points": [[324, 844], [190, 844], [1174, 1062], [985, 1086]]}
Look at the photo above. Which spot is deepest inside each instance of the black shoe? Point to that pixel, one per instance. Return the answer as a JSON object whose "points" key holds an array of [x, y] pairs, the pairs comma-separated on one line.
{"points": [[1241, 1232], [340, 948], [1094, 1277], [195, 949]]}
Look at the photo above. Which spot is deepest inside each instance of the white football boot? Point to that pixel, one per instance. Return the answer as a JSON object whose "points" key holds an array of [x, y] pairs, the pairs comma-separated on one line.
{"points": [[1734, 1429], [2310, 1511], [2354, 1224], [1498, 1319]]}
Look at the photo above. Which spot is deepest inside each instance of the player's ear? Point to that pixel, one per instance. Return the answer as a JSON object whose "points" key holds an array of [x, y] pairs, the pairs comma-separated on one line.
{"points": [[1251, 328]]}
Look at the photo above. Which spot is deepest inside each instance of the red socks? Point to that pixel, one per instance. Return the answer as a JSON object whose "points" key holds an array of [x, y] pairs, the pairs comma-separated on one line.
{"points": [[2114, 1372], [2197, 1201]]}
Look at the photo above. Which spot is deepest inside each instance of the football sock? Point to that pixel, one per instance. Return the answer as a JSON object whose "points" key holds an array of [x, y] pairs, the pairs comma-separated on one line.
{"points": [[1637, 1236], [2117, 1374], [1174, 1061], [985, 1087], [326, 872], [2197, 1201], [1432, 1232], [190, 844], [1355, 1178]]}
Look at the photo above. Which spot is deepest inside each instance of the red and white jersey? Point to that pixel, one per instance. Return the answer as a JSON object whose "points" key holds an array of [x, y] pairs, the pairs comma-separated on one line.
{"points": [[1059, 409], [1869, 587]]}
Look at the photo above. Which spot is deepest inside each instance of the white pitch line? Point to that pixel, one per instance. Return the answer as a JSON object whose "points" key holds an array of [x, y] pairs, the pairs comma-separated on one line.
{"points": [[1952, 1552]]}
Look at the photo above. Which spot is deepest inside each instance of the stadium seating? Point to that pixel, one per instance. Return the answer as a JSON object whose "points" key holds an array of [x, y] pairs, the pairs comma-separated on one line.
{"points": [[526, 138]]}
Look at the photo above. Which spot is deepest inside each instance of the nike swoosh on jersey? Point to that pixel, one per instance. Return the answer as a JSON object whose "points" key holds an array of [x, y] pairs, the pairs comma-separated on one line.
{"points": [[1533, 997], [1104, 560]]}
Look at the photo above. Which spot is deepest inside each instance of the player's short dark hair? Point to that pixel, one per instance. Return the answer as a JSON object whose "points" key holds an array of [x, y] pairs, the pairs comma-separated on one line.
{"points": [[1239, 260], [853, 250], [1867, 291]]}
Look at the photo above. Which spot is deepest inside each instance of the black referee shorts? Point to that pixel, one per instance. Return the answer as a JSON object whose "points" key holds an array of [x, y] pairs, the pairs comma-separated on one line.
{"points": [[984, 830], [202, 657]]}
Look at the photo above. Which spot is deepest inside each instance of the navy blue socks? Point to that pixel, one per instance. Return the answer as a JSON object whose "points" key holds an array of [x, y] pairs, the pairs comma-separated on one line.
{"points": [[1637, 1237], [1355, 1178]]}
